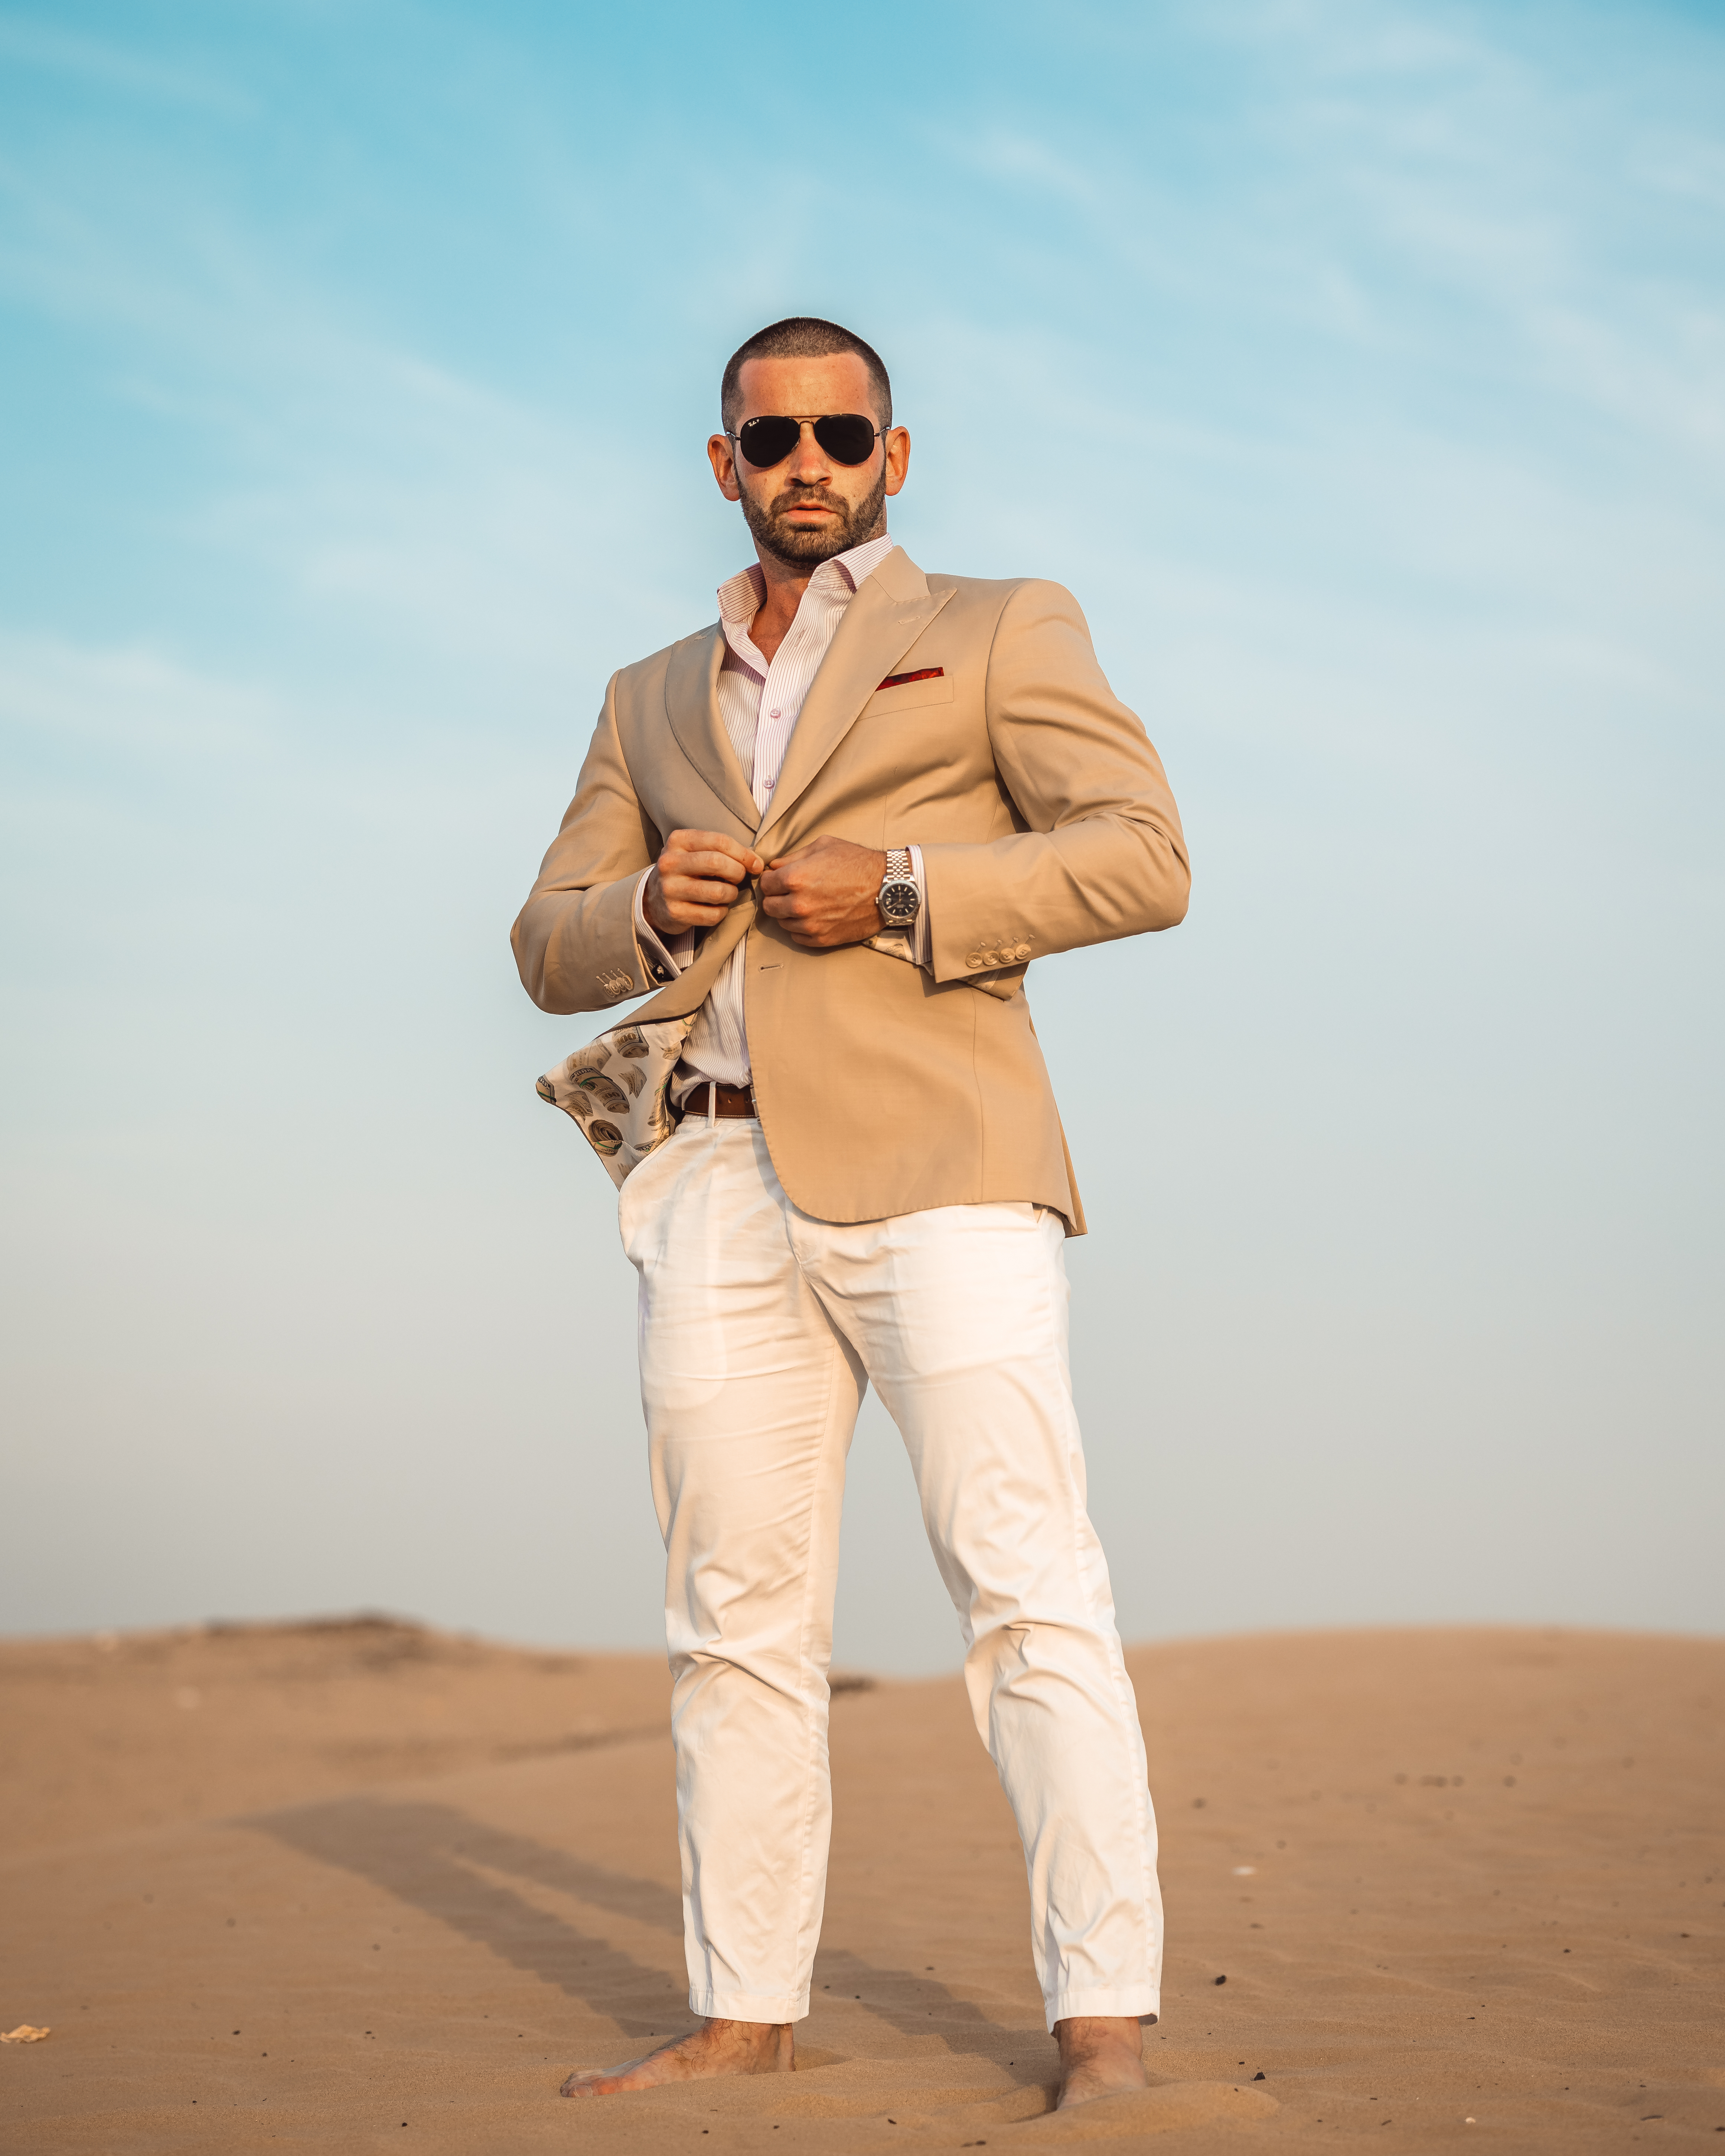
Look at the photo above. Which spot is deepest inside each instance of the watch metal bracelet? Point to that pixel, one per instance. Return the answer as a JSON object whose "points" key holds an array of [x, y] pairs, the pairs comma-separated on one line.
{"points": [[900, 901]]}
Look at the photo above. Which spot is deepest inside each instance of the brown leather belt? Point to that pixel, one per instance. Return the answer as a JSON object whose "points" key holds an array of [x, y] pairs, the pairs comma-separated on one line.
{"points": [[731, 1100]]}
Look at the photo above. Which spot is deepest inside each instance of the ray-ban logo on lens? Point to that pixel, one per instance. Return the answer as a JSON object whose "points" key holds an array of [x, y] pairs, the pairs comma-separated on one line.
{"points": [[923, 673]]}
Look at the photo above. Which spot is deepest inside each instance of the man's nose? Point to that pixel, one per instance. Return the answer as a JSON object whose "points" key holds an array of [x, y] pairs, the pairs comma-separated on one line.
{"points": [[809, 460]]}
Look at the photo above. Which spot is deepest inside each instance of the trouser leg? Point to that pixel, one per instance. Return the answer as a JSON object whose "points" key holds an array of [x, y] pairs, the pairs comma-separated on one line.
{"points": [[959, 1315], [750, 1398]]}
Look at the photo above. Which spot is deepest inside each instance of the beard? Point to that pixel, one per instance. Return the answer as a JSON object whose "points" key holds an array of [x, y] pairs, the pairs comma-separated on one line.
{"points": [[801, 546]]}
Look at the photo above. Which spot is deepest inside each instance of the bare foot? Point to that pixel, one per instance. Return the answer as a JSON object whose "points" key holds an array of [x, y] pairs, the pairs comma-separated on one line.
{"points": [[715, 2047], [1099, 2056]]}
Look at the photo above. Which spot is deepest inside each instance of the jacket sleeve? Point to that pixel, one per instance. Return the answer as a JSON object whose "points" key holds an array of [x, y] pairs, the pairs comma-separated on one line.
{"points": [[1103, 854], [574, 941]]}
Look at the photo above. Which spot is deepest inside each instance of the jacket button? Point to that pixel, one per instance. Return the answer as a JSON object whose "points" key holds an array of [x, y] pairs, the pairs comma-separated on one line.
{"points": [[1022, 952], [973, 961]]}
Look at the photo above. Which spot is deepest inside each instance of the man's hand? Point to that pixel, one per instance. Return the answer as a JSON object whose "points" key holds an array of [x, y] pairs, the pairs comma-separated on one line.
{"points": [[694, 881], [824, 894]]}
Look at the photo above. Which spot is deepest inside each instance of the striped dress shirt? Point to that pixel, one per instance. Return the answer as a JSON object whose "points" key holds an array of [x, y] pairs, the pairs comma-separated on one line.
{"points": [[760, 702]]}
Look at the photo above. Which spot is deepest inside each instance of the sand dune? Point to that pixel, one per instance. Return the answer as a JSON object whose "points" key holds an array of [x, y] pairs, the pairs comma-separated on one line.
{"points": [[358, 1885]]}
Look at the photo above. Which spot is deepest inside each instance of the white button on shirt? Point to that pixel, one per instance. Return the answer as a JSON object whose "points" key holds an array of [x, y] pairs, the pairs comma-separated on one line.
{"points": [[760, 732]]}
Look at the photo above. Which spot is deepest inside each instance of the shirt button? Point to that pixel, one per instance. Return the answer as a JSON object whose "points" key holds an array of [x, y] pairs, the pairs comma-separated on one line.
{"points": [[774, 715]]}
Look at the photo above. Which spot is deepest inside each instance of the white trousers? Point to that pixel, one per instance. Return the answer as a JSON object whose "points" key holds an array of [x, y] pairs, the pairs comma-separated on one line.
{"points": [[760, 1330]]}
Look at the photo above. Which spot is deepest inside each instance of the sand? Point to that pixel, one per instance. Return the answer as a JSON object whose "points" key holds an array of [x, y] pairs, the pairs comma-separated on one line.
{"points": [[358, 1887]]}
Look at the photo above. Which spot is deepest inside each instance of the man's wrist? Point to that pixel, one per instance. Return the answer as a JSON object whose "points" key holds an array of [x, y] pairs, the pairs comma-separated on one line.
{"points": [[650, 899], [898, 899], [663, 951]]}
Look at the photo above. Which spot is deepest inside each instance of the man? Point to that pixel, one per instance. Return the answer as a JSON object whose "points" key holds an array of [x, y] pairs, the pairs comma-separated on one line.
{"points": [[830, 830]]}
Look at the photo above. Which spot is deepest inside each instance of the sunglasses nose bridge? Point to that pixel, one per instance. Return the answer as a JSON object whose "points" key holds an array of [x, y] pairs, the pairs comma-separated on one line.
{"points": [[808, 448]]}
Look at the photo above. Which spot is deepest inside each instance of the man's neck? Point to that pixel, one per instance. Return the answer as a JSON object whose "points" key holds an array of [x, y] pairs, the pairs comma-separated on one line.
{"points": [[786, 583]]}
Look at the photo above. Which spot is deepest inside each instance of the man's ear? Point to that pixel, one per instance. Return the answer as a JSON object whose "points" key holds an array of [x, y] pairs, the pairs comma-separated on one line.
{"points": [[724, 464]]}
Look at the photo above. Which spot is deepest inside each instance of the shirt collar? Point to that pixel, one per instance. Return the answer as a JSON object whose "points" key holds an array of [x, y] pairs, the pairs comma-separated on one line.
{"points": [[741, 596]]}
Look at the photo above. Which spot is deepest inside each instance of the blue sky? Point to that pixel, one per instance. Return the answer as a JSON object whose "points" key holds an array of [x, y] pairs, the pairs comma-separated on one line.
{"points": [[1361, 367]]}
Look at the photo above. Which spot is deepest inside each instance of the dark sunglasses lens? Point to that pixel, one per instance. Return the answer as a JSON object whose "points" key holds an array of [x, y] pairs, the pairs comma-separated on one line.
{"points": [[847, 437], [767, 442]]}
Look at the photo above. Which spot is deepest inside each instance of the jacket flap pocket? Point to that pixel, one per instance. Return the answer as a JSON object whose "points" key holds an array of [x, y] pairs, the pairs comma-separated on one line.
{"points": [[909, 696]]}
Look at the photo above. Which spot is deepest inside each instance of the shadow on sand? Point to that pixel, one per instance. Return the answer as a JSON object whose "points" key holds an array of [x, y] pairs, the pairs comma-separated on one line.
{"points": [[441, 1862]]}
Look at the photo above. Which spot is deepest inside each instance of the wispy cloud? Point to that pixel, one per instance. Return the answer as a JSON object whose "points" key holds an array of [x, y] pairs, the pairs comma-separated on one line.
{"points": [[1022, 160], [134, 698], [106, 64], [366, 475]]}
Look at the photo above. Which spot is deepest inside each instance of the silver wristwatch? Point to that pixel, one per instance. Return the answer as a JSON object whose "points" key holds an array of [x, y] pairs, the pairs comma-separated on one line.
{"points": [[899, 900]]}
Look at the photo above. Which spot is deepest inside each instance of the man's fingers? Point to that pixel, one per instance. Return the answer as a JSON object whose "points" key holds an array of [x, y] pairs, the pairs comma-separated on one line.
{"points": [[713, 842], [687, 912], [711, 853], [716, 867], [694, 890], [674, 901], [696, 878]]}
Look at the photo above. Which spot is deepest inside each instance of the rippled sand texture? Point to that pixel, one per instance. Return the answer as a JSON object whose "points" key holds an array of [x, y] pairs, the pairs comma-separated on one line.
{"points": [[362, 1886]]}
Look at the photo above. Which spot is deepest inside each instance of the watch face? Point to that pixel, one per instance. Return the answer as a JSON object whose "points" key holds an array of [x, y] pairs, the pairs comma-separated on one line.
{"points": [[899, 902]]}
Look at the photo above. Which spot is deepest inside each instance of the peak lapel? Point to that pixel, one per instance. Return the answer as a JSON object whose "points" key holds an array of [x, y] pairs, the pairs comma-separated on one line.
{"points": [[691, 704], [891, 610]]}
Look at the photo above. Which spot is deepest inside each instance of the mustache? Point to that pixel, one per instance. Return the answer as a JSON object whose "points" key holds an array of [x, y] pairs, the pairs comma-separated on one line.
{"points": [[807, 497]]}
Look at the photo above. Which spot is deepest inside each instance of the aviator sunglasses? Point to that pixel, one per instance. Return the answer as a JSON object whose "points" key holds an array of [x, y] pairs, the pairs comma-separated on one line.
{"points": [[847, 437]]}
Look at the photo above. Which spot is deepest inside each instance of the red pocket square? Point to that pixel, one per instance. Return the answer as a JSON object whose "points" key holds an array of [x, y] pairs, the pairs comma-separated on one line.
{"points": [[923, 673]]}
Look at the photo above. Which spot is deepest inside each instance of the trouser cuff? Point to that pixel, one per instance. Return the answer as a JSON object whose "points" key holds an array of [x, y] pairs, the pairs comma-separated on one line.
{"points": [[757, 2006], [1138, 2002]]}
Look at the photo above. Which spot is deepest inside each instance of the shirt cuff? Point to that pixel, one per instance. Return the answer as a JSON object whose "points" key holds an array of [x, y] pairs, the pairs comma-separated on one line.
{"points": [[920, 953], [666, 956]]}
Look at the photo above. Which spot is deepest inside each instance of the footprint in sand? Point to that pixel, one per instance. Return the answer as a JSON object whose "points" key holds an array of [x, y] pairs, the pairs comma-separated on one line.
{"points": [[1162, 2110], [923, 2107], [1027, 2115]]}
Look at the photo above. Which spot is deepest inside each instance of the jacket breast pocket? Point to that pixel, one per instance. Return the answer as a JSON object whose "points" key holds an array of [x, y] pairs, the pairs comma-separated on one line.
{"points": [[908, 696]]}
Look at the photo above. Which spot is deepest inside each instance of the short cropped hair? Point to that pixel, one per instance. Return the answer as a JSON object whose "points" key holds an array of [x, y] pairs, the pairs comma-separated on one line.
{"points": [[803, 336]]}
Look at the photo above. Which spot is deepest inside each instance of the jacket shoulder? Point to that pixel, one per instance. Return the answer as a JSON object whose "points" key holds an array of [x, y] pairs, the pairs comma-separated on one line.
{"points": [[644, 676], [993, 606], [994, 594], [983, 591]]}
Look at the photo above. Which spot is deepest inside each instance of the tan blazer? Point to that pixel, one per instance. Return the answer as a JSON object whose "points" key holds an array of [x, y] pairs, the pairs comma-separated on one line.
{"points": [[1045, 823]]}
